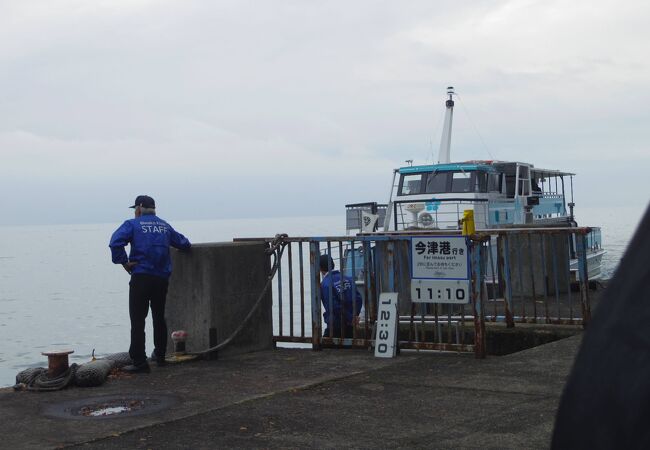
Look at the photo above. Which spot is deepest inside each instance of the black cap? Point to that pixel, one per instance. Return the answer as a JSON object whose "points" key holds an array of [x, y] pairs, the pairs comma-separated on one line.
{"points": [[326, 263], [144, 201]]}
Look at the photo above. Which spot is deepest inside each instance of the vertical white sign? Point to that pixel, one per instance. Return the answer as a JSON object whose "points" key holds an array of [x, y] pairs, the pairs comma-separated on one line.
{"points": [[387, 322]]}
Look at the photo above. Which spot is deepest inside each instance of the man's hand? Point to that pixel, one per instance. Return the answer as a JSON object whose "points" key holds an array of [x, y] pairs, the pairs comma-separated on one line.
{"points": [[128, 266]]}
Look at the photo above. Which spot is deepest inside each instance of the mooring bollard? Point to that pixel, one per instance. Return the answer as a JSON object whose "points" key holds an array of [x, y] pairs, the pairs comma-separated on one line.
{"points": [[57, 362], [179, 337]]}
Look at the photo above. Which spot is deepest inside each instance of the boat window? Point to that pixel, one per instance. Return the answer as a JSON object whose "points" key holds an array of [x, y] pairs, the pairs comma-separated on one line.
{"points": [[524, 181], [460, 182], [480, 181], [510, 186], [410, 184], [493, 182], [437, 182], [524, 188]]}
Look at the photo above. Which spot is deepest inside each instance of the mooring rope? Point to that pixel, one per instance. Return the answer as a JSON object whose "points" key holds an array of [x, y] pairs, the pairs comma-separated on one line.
{"points": [[92, 373], [36, 379], [276, 249]]}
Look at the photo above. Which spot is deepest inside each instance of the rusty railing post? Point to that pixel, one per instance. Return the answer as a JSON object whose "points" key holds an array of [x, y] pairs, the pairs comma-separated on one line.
{"points": [[507, 292], [581, 246], [314, 275], [476, 248]]}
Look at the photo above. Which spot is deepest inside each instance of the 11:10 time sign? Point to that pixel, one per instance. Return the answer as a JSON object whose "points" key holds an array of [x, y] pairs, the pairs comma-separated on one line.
{"points": [[440, 270]]}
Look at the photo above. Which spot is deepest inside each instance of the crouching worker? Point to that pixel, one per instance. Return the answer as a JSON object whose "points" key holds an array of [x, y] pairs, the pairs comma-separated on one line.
{"points": [[149, 265], [344, 297]]}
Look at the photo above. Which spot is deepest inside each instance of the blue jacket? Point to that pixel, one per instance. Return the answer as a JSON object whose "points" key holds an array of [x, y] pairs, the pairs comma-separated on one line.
{"points": [[345, 289], [150, 238]]}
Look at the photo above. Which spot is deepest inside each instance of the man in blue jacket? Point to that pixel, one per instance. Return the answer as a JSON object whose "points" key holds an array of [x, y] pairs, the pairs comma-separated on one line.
{"points": [[149, 265], [341, 300]]}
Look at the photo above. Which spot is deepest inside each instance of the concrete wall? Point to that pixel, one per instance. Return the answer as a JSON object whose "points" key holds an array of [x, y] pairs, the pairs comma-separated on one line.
{"points": [[212, 289]]}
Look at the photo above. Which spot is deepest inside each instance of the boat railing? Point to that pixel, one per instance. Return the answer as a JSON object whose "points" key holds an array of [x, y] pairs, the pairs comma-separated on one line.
{"points": [[516, 275], [594, 239], [438, 214]]}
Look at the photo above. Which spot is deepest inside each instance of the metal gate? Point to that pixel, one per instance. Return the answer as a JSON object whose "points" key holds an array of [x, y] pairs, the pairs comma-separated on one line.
{"points": [[532, 275]]}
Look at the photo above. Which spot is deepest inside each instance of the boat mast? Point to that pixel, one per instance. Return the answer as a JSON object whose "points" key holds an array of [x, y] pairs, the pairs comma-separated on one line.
{"points": [[445, 141]]}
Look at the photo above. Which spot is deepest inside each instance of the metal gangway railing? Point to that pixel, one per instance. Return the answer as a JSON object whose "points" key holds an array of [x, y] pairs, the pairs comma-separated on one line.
{"points": [[515, 276]]}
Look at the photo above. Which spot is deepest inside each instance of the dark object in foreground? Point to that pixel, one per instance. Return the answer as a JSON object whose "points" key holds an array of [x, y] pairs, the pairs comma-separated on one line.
{"points": [[606, 402]]}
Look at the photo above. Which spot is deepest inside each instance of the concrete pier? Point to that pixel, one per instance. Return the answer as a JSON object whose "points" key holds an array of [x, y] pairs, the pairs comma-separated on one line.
{"points": [[257, 396], [301, 398]]}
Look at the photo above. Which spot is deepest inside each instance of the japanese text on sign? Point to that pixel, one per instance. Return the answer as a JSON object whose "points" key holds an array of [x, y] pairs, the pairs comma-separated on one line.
{"points": [[441, 257]]}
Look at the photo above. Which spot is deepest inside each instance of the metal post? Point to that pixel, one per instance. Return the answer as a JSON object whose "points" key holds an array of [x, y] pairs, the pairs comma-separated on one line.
{"points": [[477, 304], [367, 275], [520, 269], [494, 280], [302, 291], [568, 239], [555, 278], [531, 264], [342, 301], [390, 250], [290, 263], [280, 299], [581, 246], [510, 322], [354, 281], [542, 243], [314, 255], [330, 315]]}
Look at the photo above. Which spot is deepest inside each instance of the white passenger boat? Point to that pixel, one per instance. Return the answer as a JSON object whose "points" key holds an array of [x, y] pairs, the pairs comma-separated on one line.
{"points": [[500, 194]]}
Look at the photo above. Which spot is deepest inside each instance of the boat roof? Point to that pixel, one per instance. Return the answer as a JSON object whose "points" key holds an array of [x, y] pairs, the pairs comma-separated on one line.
{"points": [[486, 166], [451, 167]]}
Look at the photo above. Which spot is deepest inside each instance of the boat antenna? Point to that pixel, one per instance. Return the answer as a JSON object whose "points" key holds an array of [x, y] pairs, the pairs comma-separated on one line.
{"points": [[445, 141]]}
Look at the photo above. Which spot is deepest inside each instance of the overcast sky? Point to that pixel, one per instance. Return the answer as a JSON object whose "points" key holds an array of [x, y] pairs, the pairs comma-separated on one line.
{"points": [[227, 109]]}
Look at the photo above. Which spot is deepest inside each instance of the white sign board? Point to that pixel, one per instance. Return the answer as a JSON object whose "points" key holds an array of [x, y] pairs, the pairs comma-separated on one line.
{"points": [[440, 270], [440, 257], [387, 321]]}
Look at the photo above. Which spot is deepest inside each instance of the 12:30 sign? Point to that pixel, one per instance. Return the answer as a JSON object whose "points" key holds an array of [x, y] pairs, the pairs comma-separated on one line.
{"points": [[385, 343]]}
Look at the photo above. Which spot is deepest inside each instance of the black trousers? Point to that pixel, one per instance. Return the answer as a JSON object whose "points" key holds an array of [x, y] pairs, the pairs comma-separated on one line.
{"points": [[145, 290]]}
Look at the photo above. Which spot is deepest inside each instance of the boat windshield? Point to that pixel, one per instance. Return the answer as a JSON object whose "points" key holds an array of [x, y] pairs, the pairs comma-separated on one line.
{"points": [[446, 182]]}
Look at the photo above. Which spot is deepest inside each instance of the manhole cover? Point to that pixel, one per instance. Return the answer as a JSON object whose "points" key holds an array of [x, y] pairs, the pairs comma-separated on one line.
{"points": [[109, 407]]}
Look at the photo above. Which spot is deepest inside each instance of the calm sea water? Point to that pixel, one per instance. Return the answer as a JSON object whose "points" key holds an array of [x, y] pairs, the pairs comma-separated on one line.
{"points": [[59, 289]]}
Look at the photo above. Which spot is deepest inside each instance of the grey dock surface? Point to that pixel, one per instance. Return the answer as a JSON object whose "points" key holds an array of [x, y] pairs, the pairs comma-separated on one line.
{"points": [[302, 398]]}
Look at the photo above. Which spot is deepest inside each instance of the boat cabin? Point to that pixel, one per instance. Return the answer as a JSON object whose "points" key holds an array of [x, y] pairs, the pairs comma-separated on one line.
{"points": [[500, 194]]}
